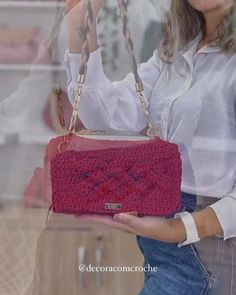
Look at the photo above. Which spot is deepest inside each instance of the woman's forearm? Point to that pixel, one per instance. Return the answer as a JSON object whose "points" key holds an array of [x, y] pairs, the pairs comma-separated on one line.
{"points": [[76, 37], [206, 222], [76, 27]]}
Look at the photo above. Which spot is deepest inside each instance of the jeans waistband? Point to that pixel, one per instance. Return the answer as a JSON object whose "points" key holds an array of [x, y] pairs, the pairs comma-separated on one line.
{"points": [[189, 202], [203, 201]]}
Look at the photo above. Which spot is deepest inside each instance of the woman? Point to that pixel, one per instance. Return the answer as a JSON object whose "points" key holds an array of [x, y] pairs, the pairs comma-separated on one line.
{"points": [[190, 88]]}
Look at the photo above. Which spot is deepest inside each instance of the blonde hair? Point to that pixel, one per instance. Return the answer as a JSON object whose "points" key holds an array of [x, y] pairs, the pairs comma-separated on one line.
{"points": [[183, 23]]}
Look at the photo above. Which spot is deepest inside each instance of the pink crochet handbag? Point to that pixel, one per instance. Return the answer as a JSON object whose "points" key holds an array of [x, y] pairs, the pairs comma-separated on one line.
{"points": [[110, 174]]}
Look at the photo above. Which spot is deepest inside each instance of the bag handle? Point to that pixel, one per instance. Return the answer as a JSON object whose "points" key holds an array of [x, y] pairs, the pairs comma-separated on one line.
{"points": [[85, 54]]}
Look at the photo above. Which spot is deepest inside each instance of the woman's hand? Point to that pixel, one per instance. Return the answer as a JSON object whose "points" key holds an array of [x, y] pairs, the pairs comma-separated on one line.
{"points": [[158, 228], [76, 14], [162, 229]]}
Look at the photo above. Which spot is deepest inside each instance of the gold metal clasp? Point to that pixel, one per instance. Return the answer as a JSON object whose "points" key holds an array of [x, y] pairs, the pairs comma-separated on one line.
{"points": [[139, 87], [81, 79], [153, 133], [65, 145]]}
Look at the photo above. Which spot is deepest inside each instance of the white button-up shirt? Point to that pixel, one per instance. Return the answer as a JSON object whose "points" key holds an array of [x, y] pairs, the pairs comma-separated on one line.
{"points": [[191, 101]]}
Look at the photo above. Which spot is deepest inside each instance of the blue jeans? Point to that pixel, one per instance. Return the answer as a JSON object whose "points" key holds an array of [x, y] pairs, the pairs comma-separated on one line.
{"points": [[180, 271]]}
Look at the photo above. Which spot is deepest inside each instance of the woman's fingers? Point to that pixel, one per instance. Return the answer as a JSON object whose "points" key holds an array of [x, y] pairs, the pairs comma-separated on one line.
{"points": [[108, 221]]}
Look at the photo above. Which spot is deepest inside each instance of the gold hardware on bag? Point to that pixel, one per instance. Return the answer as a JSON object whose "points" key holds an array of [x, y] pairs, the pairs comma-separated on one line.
{"points": [[139, 86], [68, 145], [113, 206], [91, 132], [81, 79]]}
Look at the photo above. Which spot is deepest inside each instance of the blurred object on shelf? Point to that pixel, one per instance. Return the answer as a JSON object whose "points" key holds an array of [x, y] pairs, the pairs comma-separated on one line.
{"points": [[58, 111], [20, 45], [34, 194], [17, 36], [57, 116]]}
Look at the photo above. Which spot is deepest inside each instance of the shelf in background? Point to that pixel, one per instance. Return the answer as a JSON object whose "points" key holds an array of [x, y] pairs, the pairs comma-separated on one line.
{"points": [[42, 136], [28, 67], [31, 4], [37, 137]]}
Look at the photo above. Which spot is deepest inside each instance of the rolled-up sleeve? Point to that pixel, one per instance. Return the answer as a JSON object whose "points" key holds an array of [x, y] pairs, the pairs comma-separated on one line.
{"points": [[110, 105], [225, 210]]}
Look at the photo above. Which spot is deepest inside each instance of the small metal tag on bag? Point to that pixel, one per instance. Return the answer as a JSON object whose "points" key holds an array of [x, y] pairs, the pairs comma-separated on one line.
{"points": [[113, 206]]}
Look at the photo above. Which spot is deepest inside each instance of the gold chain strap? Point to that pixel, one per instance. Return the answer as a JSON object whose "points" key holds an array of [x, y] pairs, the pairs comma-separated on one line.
{"points": [[85, 54], [80, 81]]}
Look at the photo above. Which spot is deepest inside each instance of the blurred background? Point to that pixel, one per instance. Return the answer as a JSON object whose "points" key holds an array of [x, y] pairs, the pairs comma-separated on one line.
{"points": [[33, 83], [28, 74]]}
